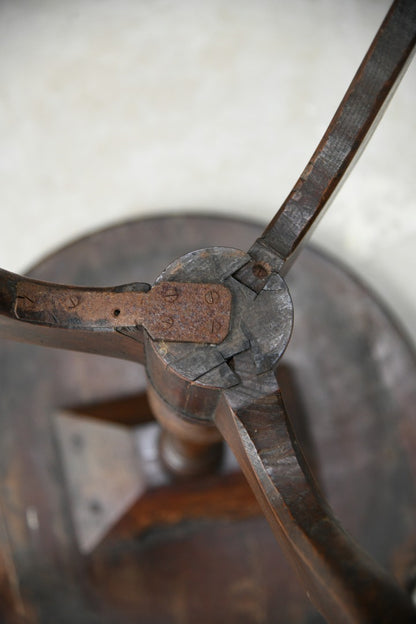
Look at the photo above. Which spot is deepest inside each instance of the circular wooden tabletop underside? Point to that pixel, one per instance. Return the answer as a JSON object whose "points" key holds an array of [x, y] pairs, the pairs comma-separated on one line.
{"points": [[199, 551]]}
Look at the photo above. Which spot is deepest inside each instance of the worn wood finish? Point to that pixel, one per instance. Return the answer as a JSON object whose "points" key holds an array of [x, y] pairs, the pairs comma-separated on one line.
{"points": [[48, 326], [232, 383], [352, 125], [161, 561], [343, 582]]}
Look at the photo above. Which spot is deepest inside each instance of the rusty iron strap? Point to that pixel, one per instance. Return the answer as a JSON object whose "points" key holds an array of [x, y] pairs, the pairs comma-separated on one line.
{"points": [[352, 125], [173, 311]]}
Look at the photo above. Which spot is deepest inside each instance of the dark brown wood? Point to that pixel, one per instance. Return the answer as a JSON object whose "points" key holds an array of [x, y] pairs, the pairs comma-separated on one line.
{"points": [[343, 582], [168, 568], [345, 138], [186, 449], [56, 325], [228, 497], [231, 382], [130, 411]]}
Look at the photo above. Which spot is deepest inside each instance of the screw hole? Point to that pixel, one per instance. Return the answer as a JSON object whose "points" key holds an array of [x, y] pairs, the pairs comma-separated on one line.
{"points": [[95, 507], [116, 312]]}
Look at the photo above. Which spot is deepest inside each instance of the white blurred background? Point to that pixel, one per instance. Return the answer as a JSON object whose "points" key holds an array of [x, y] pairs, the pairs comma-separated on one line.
{"points": [[112, 109]]}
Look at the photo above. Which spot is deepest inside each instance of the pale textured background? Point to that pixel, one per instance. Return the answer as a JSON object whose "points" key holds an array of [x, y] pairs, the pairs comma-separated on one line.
{"points": [[112, 109]]}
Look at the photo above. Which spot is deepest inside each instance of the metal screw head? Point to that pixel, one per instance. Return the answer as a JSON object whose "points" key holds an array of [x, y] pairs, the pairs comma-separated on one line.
{"points": [[167, 321], [170, 293], [212, 296]]}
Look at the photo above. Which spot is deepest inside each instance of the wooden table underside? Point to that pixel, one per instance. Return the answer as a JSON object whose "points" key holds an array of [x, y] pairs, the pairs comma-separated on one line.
{"points": [[201, 551]]}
